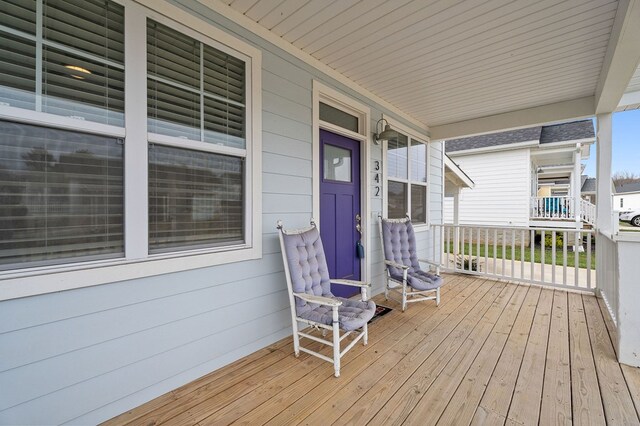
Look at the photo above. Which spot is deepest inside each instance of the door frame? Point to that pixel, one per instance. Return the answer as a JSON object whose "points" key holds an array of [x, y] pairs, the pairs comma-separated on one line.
{"points": [[329, 96]]}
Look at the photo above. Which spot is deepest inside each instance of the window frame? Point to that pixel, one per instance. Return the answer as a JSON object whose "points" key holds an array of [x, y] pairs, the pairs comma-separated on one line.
{"points": [[137, 262], [412, 136]]}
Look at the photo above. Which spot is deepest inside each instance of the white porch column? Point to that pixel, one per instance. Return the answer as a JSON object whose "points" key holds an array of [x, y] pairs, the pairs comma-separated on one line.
{"points": [[456, 222], [604, 201], [575, 185], [616, 272]]}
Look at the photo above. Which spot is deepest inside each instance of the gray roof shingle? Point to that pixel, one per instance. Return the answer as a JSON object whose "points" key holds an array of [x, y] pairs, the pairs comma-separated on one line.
{"points": [[541, 134], [589, 185], [567, 132], [628, 187], [494, 139]]}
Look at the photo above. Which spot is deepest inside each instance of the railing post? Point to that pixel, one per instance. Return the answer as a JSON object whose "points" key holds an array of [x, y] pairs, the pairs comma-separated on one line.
{"points": [[577, 170]]}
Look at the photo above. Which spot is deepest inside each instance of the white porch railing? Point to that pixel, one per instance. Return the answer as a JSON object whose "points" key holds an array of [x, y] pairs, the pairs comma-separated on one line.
{"points": [[609, 287], [562, 208], [588, 212], [543, 256], [552, 208]]}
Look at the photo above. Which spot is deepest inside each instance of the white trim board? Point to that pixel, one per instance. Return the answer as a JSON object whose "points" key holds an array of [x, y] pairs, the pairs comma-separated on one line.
{"points": [[558, 112], [338, 100]]}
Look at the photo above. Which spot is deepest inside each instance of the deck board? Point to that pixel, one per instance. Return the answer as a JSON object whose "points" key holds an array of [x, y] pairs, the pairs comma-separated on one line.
{"points": [[556, 390], [492, 353], [587, 403]]}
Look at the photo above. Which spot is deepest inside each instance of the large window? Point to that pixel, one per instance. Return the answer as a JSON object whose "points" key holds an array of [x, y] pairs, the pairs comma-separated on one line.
{"points": [[60, 196], [195, 93], [407, 178], [67, 134], [71, 65]]}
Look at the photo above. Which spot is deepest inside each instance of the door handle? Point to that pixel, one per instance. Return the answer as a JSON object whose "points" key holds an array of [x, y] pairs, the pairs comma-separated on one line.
{"points": [[358, 226]]}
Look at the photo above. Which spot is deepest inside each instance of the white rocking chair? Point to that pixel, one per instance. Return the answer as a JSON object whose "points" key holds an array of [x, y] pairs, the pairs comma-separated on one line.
{"points": [[404, 275], [310, 295]]}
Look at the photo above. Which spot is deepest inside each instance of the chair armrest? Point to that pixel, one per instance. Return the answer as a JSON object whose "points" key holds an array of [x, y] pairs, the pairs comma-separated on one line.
{"points": [[320, 300], [395, 264], [352, 283], [432, 263]]}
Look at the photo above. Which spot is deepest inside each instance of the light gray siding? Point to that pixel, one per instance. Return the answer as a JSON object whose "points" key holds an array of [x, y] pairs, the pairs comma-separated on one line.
{"points": [[86, 355]]}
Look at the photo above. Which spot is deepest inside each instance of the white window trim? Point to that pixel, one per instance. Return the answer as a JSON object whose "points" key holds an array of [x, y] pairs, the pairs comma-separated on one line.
{"points": [[420, 137], [137, 263], [327, 95]]}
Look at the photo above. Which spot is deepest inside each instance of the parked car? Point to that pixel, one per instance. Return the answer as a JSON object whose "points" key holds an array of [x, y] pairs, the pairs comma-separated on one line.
{"points": [[631, 216]]}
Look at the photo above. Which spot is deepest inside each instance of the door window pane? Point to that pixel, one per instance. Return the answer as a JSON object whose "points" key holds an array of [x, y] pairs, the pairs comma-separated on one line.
{"points": [[60, 196], [397, 200], [338, 117], [419, 203], [196, 199], [337, 163], [397, 157]]}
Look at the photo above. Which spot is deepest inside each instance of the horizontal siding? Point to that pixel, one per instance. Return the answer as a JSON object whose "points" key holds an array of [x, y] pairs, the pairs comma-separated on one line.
{"points": [[500, 195], [630, 201], [83, 356]]}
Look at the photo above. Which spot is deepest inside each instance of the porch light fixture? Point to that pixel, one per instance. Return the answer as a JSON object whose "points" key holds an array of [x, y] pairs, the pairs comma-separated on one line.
{"points": [[385, 135]]}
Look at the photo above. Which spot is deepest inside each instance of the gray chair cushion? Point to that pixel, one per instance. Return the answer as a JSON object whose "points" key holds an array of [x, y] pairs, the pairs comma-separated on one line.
{"points": [[307, 266], [352, 314], [399, 243], [420, 280]]}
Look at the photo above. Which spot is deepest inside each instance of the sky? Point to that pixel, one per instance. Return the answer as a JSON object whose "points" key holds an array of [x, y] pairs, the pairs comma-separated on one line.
{"points": [[626, 144]]}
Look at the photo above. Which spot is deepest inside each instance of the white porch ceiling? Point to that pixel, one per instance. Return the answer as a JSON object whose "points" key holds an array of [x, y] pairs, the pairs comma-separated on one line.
{"points": [[448, 61]]}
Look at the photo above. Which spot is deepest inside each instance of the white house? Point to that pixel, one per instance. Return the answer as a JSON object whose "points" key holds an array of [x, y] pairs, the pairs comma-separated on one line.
{"points": [[148, 147], [627, 197], [524, 177]]}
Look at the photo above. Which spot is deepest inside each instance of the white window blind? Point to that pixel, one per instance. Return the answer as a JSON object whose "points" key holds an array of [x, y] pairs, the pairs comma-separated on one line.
{"points": [[80, 72], [195, 199], [60, 196], [195, 91]]}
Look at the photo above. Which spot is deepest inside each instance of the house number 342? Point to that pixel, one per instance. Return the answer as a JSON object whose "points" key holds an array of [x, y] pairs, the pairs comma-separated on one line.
{"points": [[377, 169]]}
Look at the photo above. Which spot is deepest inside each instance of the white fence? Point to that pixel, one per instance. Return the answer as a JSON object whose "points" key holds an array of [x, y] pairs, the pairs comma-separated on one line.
{"points": [[562, 208], [546, 256], [588, 212], [552, 208]]}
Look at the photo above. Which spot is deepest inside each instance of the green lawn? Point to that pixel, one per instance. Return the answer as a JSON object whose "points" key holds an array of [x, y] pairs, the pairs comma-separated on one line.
{"points": [[626, 227], [582, 257]]}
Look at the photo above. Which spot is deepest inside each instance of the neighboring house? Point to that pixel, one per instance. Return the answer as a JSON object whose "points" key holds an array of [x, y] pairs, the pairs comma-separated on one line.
{"points": [[526, 177], [627, 196], [588, 189]]}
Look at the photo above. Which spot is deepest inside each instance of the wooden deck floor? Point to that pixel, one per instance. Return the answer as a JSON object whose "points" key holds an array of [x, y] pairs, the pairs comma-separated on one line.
{"points": [[492, 353]]}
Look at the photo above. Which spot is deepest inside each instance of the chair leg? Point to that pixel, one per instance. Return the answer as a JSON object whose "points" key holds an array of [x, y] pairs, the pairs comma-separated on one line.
{"points": [[365, 338], [386, 290], [404, 296], [296, 339], [336, 343], [438, 297]]}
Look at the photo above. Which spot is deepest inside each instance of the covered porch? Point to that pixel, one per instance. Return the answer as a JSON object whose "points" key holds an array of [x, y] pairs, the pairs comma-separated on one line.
{"points": [[191, 334], [492, 353]]}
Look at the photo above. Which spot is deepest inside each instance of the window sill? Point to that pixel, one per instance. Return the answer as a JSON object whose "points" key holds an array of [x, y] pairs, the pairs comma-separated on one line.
{"points": [[35, 281]]}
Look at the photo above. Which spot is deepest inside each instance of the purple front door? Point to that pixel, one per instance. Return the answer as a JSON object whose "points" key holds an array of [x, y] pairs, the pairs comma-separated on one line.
{"points": [[339, 206]]}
